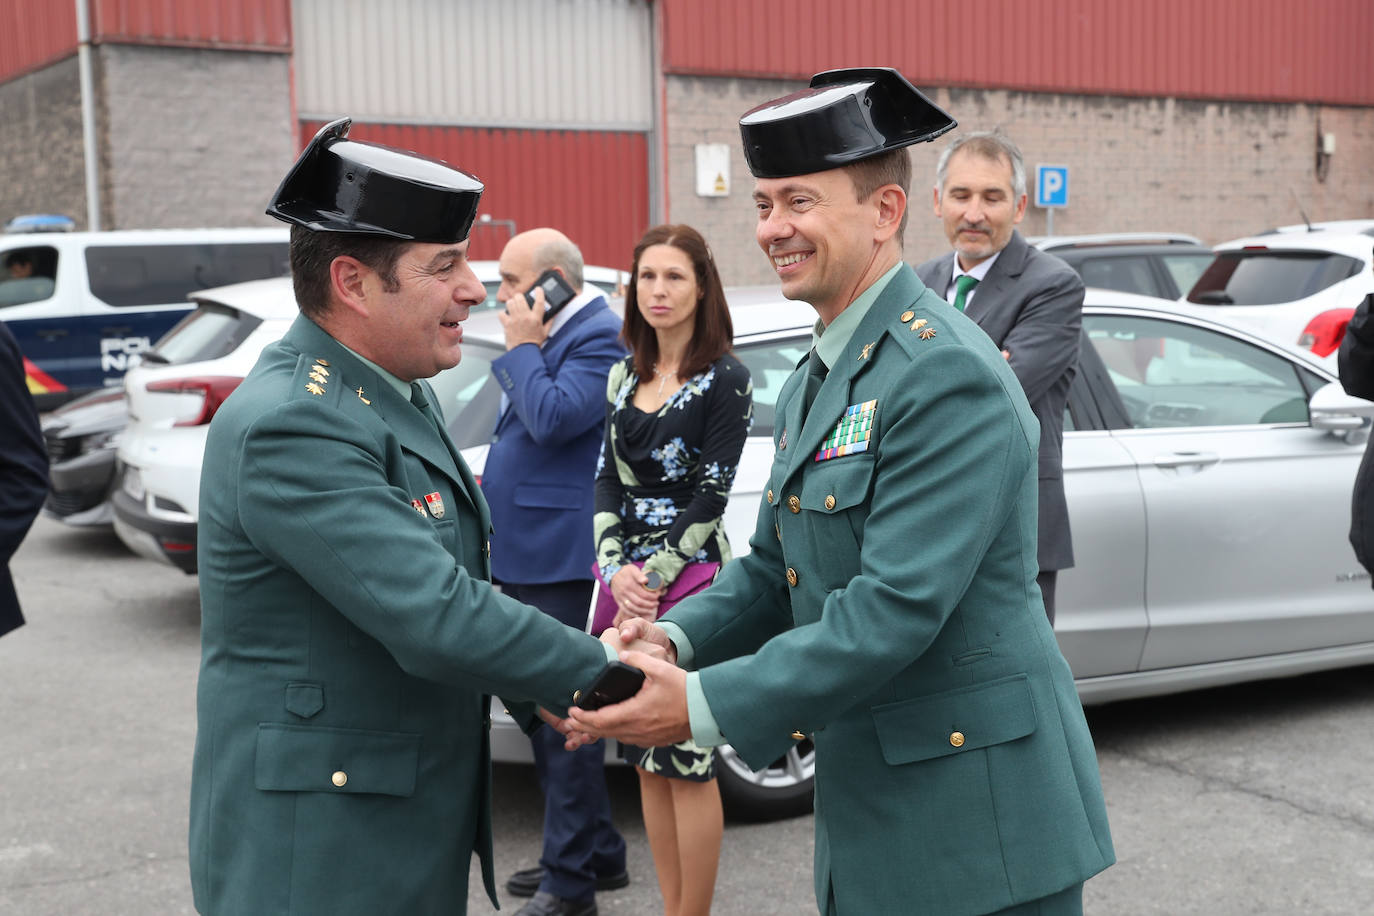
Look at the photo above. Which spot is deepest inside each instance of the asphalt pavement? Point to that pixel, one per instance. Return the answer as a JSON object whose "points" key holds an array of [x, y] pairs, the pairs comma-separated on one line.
{"points": [[1256, 799]]}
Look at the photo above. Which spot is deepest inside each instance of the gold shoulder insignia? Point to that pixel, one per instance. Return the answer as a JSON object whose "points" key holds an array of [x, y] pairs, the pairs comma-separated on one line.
{"points": [[318, 376], [907, 316], [918, 324], [323, 362], [867, 350], [313, 388], [927, 333], [363, 399]]}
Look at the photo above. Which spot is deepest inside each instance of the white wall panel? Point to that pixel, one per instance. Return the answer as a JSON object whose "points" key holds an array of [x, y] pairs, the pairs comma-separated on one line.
{"points": [[500, 63]]}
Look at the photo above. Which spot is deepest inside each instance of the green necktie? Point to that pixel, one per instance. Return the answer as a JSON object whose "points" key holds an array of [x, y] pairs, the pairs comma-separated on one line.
{"points": [[417, 397], [815, 377], [962, 286]]}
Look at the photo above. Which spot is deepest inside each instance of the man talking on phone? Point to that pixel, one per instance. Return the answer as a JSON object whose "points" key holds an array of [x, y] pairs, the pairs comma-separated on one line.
{"points": [[561, 341]]}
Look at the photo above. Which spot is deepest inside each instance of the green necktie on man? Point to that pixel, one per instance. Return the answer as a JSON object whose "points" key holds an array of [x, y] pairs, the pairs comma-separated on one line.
{"points": [[963, 286]]}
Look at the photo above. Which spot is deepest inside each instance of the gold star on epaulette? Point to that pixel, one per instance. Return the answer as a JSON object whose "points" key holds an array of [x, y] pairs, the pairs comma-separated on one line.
{"points": [[313, 388], [927, 333], [868, 349], [318, 376], [363, 399], [918, 324]]}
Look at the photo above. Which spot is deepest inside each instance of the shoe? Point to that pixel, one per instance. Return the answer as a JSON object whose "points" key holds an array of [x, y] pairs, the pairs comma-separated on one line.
{"points": [[526, 881], [546, 904]]}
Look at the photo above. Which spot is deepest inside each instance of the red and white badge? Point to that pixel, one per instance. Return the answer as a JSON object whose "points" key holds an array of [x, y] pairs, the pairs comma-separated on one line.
{"points": [[435, 503], [419, 507]]}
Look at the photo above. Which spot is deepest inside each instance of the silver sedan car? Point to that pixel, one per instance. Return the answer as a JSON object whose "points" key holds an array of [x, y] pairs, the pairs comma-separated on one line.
{"points": [[1208, 474]]}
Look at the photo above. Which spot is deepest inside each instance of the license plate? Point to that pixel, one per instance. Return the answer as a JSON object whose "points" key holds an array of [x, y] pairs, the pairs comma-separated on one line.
{"points": [[133, 483]]}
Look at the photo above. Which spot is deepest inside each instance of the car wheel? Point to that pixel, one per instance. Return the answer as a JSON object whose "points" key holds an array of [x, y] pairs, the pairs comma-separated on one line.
{"points": [[782, 789]]}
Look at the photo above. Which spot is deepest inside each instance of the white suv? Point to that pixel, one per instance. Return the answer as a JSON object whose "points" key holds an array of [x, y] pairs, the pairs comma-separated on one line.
{"points": [[1298, 288]]}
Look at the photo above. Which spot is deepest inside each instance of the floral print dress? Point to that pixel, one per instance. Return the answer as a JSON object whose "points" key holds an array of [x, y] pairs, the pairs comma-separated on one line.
{"points": [[661, 487]]}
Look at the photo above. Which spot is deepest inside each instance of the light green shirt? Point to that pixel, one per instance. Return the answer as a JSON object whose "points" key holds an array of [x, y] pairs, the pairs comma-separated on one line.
{"points": [[830, 343]]}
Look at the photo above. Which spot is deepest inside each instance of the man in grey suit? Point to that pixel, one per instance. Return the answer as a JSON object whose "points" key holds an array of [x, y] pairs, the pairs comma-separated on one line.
{"points": [[1030, 303]]}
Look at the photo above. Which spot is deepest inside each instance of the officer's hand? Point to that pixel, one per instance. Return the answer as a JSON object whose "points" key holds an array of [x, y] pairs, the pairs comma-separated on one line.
{"points": [[639, 635], [523, 320], [572, 738], [656, 716]]}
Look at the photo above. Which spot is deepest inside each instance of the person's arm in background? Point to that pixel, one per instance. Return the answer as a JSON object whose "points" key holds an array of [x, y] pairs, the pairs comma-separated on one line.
{"points": [[1043, 344], [1356, 357], [23, 457], [625, 580]]}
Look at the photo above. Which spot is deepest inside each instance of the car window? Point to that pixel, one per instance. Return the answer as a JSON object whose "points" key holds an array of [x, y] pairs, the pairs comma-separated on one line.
{"points": [[209, 332], [1171, 374], [469, 397], [769, 364], [1268, 277], [28, 275], [140, 275], [1185, 268], [1130, 274]]}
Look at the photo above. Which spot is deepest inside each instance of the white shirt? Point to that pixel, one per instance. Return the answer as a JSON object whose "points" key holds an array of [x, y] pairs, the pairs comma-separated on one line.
{"points": [[979, 272]]}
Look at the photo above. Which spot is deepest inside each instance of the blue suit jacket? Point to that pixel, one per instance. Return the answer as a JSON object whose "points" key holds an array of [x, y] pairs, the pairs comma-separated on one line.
{"points": [[541, 468]]}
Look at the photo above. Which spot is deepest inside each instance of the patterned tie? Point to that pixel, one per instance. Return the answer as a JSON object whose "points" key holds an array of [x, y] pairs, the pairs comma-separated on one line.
{"points": [[962, 286]]}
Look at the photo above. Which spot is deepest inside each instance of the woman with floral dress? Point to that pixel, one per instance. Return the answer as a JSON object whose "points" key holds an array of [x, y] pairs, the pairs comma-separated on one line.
{"points": [[679, 410]]}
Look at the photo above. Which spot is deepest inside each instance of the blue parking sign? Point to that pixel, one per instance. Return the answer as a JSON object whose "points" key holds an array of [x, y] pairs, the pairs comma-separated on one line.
{"points": [[1051, 185]]}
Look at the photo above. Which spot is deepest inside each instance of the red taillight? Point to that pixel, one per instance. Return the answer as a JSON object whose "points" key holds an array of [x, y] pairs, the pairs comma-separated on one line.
{"points": [[213, 389], [1324, 333]]}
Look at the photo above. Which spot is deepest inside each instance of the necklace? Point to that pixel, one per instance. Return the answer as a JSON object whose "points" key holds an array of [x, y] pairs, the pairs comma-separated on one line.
{"points": [[662, 377]]}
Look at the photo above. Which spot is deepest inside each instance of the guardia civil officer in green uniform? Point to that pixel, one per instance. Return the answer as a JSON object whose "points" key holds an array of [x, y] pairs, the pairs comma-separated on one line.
{"points": [[350, 636], [888, 607]]}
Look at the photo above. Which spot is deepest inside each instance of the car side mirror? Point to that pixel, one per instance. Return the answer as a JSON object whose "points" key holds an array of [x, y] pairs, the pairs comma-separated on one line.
{"points": [[1338, 413]]}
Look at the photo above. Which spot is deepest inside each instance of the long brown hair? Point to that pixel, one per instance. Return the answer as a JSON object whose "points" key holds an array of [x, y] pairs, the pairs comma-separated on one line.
{"points": [[712, 332]]}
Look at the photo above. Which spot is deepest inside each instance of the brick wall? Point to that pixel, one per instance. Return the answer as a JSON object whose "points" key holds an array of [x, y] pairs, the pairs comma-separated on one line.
{"points": [[1214, 170], [41, 144], [192, 137]]}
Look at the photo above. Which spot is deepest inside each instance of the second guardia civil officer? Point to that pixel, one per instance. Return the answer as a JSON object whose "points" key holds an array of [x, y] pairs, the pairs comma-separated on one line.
{"points": [[350, 636]]}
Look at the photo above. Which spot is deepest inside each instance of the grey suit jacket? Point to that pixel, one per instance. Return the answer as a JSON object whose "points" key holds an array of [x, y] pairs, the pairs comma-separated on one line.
{"points": [[1031, 305]]}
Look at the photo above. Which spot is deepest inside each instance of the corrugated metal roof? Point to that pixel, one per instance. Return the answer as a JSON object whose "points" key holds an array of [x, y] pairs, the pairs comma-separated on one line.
{"points": [[1258, 50], [591, 185], [37, 35], [263, 25], [539, 63]]}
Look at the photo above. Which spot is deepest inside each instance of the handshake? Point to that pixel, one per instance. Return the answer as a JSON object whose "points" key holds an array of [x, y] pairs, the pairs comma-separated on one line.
{"points": [[655, 715]]}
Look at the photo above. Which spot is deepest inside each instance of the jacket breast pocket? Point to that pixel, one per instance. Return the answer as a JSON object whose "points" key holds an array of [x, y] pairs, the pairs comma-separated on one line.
{"points": [[296, 758], [834, 507], [956, 721]]}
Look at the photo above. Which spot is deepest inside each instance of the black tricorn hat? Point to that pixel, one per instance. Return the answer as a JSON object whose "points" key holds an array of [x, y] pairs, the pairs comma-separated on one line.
{"points": [[342, 185], [844, 116]]}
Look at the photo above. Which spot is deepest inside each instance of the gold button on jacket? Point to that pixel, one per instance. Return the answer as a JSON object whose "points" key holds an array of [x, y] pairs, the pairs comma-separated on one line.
{"points": [[957, 739], [830, 502], [339, 778], [791, 577], [770, 496], [794, 503], [798, 736]]}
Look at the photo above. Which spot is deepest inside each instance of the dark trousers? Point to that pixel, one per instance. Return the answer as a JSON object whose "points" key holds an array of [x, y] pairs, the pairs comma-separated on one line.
{"points": [[1046, 580], [580, 842]]}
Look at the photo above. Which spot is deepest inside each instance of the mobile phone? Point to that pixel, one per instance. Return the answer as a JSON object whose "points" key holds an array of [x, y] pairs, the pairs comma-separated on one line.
{"points": [[616, 682], [557, 292]]}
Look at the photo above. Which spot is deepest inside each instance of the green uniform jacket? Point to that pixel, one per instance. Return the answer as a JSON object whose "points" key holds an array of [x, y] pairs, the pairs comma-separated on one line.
{"points": [[349, 639], [889, 607]]}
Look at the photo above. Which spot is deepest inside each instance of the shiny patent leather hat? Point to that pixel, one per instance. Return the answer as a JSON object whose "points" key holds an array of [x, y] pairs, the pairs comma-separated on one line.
{"points": [[342, 185], [842, 117]]}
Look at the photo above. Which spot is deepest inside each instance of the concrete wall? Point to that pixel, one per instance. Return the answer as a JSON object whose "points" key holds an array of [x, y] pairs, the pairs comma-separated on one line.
{"points": [[1214, 170], [191, 137], [40, 144]]}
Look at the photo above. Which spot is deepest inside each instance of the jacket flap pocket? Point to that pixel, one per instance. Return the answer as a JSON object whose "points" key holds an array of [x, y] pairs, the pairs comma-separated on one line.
{"points": [[304, 700], [837, 484], [550, 496], [297, 758], [960, 720]]}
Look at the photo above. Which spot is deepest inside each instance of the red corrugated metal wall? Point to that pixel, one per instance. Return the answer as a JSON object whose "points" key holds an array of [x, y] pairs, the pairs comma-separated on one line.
{"points": [[592, 185], [39, 34], [1259, 50], [259, 25]]}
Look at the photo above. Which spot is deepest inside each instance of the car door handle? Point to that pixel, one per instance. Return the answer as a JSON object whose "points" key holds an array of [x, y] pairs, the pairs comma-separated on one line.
{"points": [[1187, 459]]}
